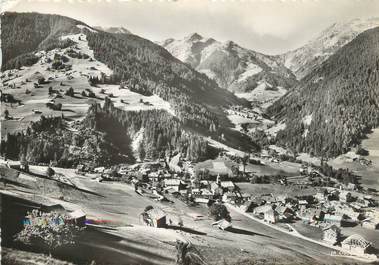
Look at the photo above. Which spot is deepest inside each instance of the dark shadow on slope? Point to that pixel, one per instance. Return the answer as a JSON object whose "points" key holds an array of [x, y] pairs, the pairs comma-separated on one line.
{"points": [[105, 248], [65, 185], [245, 232], [186, 229]]}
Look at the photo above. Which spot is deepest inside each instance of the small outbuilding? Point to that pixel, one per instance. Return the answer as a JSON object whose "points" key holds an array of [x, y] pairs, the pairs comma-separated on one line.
{"points": [[223, 224], [78, 217], [157, 217], [370, 223]]}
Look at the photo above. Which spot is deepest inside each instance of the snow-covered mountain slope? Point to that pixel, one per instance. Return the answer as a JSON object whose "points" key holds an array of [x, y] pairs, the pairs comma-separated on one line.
{"points": [[305, 59], [20, 83], [117, 30], [335, 105], [230, 65]]}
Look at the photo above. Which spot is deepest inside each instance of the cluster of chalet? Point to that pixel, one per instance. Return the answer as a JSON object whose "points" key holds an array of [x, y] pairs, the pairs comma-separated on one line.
{"points": [[225, 191], [331, 207], [177, 179], [354, 244], [243, 112], [329, 210]]}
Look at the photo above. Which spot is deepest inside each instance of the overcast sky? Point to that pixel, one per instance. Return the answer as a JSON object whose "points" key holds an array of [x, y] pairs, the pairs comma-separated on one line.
{"points": [[269, 26]]}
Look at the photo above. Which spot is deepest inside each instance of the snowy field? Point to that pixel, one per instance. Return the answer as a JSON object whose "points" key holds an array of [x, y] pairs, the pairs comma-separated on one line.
{"points": [[369, 174], [21, 84], [132, 101], [263, 94]]}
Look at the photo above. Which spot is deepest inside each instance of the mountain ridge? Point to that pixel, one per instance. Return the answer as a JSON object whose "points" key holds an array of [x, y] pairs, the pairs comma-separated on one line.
{"points": [[136, 64], [303, 60], [233, 67], [116, 30], [335, 105]]}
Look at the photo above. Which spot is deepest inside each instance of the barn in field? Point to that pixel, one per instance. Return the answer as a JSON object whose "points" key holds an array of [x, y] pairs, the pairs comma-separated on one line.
{"points": [[356, 244], [158, 217]]}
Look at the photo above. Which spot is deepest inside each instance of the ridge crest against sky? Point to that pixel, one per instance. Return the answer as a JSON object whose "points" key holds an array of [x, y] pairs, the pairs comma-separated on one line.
{"points": [[270, 27]]}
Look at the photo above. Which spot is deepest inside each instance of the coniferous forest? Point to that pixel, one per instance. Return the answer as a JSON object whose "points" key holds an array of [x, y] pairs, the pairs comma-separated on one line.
{"points": [[146, 68], [341, 97], [104, 138]]}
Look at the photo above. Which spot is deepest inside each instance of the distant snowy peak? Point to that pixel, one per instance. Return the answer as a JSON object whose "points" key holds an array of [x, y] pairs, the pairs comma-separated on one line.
{"points": [[230, 65], [192, 49], [194, 37], [116, 30], [308, 57]]}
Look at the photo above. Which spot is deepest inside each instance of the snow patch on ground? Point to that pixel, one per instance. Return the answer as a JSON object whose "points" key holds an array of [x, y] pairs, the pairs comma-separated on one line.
{"points": [[275, 129], [228, 149], [307, 120], [278, 149], [38, 101], [85, 27], [209, 50], [133, 101], [136, 141], [306, 131], [183, 49], [263, 94], [324, 45], [35, 98], [251, 69], [237, 120], [208, 73], [94, 68], [309, 159]]}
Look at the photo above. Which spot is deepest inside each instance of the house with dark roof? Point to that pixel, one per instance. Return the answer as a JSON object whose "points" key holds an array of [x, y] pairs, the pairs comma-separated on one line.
{"points": [[285, 213], [311, 214], [248, 206], [175, 184], [262, 209], [230, 196], [157, 216]]}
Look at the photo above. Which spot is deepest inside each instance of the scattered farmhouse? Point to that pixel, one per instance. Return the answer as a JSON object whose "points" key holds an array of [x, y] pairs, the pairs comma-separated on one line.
{"points": [[223, 224], [175, 184], [157, 217], [331, 234], [356, 244], [271, 216], [370, 223]]}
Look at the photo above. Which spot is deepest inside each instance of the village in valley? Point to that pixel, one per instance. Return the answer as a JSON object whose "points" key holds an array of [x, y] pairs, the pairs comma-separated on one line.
{"points": [[336, 213], [310, 205], [97, 169]]}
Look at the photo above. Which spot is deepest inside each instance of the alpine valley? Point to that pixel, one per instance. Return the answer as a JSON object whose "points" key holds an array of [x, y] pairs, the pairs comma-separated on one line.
{"points": [[116, 149]]}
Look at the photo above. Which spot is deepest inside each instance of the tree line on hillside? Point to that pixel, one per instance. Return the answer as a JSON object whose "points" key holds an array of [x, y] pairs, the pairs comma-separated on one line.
{"points": [[24, 33], [341, 97], [103, 138], [147, 68], [342, 175], [162, 132], [49, 141]]}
